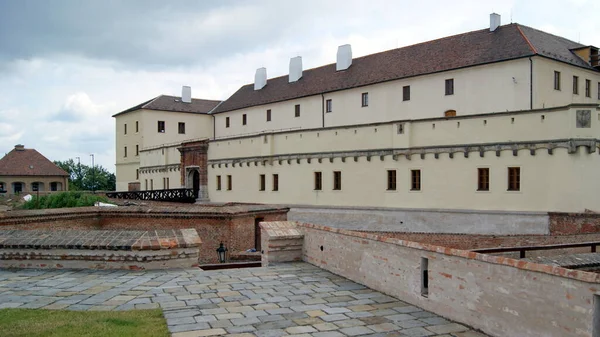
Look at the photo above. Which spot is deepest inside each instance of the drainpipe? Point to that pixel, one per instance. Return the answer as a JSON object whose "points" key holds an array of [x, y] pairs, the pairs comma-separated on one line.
{"points": [[530, 83], [214, 128], [323, 109]]}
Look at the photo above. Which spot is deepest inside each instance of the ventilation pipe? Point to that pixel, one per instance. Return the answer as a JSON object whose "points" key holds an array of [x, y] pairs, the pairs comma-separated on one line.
{"points": [[494, 21], [186, 94], [344, 57], [295, 69], [260, 78]]}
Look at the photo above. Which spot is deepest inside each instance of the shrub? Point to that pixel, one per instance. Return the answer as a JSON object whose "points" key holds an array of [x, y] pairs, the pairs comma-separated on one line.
{"points": [[64, 199]]}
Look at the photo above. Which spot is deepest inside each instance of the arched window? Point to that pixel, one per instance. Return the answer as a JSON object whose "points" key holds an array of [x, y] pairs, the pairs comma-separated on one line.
{"points": [[450, 113]]}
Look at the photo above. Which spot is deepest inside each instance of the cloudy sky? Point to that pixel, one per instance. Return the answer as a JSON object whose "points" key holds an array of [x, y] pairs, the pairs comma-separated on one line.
{"points": [[67, 66]]}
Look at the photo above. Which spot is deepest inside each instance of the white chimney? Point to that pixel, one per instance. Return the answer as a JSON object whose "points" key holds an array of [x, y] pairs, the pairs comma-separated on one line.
{"points": [[344, 57], [295, 69], [494, 21], [186, 94], [260, 78]]}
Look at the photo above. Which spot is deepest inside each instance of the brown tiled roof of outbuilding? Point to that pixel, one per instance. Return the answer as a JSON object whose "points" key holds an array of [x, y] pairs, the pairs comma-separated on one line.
{"points": [[173, 103], [479, 47], [28, 162]]}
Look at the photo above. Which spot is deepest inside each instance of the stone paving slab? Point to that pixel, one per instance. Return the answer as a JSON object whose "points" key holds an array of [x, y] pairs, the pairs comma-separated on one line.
{"points": [[295, 299]]}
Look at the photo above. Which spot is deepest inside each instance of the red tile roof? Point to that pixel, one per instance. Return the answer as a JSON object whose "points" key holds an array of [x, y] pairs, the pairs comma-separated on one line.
{"points": [[479, 47], [173, 103], [28, 162]]}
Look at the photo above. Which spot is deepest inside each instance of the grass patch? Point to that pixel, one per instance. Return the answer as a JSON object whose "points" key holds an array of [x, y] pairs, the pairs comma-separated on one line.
{"points": [[63, 323], [64, 199]]}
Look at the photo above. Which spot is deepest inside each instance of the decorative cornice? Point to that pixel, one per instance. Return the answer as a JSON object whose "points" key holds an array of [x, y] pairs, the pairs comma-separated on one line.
{"points": [[417, 152], [160, 168]]}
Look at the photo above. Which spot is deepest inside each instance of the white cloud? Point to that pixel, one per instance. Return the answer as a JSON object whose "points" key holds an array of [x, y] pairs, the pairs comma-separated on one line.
{"points": [[61, 103]]}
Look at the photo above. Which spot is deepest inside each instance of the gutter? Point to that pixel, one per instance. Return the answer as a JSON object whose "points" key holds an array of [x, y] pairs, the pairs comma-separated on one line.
{"points": [[530, 83], [323, 109]]}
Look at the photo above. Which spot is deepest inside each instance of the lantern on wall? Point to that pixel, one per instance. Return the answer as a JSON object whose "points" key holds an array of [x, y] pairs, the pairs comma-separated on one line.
{"points": [[221, 251]]}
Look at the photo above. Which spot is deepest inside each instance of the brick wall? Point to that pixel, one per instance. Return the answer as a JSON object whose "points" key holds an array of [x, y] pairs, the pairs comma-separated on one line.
{"points": [[574, 223], [522, 298], [236, 231]]}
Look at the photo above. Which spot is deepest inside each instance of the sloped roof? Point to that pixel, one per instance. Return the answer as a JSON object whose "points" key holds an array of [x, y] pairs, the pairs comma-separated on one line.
{"points": [[469, 49], [173, 103], [28, 162]]}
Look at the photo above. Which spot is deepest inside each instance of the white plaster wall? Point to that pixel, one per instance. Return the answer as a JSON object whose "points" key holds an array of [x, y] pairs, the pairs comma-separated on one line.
{"points": [[544, 95], [196, 126], [174, 176], [480, 89], [538, 126], [126, 166], [558, 182], [126, 173], [282, 117]]}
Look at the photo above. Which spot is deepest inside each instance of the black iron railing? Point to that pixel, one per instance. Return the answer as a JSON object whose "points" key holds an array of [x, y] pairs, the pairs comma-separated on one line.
{"points": [[524, 249], [173, 195]]}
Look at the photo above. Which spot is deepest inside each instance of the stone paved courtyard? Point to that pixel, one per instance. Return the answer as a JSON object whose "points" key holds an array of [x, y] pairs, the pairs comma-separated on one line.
{"points": [[289, 299]]}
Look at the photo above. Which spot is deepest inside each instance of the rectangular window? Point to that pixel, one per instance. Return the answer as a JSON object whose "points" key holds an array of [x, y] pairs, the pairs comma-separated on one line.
{"points": [[406, 93], [137, 126], [557, 80], [483, 179], [318, 181], [218, 183], [337, 180], [449, 87], [268, 115], [575, 85], [276, 182], [226, 122], [229, 183], [262, 182], [514, 178], [137, 174], [125, 152], [146, 184], [125, 128], [588, 88], [152, 184], [137, 150], [365, 99], [415, 180], [167, 183], [328, 106], [391, 180], [181, 128], [164, 183], [244, 120], [297, 110], [161, 126]]}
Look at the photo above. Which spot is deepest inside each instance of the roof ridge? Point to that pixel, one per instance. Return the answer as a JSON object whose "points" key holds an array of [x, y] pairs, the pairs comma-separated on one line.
{"points": [[526, 39], [389, 50], [541, 31], [151, 101]]}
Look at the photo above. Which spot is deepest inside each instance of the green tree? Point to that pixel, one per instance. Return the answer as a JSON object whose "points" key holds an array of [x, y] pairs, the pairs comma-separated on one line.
{"points": [[84, 178]]}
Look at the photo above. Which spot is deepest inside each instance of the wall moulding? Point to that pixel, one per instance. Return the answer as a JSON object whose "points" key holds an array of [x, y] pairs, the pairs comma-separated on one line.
{"points": [[572, 145]]}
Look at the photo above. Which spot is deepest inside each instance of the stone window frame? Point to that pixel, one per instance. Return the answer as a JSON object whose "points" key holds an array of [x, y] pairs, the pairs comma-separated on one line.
{"points": [[392, 180]]}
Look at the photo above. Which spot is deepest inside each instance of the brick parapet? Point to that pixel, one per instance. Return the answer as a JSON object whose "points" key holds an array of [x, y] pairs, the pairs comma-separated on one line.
{"points": [[515, 263]]}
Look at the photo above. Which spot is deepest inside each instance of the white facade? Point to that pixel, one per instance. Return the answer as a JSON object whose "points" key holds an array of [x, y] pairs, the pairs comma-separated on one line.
{"points": [[500, 118]]}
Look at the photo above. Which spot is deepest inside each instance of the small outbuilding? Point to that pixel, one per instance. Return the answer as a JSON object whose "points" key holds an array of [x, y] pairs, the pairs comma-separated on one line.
{"points": [[28, 171]]}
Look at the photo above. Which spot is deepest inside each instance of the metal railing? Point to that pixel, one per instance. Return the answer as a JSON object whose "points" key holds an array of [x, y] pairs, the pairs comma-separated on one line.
{"points": [[523, 249], [174, 195]]}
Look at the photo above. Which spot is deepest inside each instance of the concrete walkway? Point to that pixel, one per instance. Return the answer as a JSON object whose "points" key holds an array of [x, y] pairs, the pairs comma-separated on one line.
{"points": [[290, 299]]}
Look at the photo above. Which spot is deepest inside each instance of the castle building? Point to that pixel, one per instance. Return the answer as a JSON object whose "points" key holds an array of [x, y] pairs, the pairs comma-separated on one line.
{"points": [[503, 118]]}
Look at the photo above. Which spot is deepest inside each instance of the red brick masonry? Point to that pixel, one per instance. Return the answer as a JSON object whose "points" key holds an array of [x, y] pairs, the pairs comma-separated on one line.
{"points": [[232, 224], [99, 239]]}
